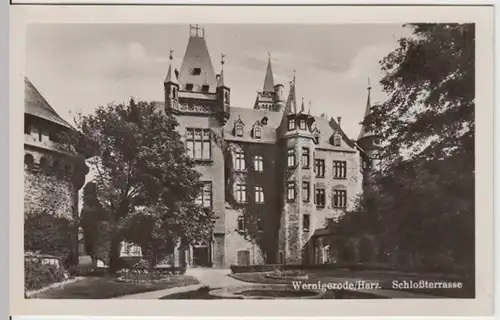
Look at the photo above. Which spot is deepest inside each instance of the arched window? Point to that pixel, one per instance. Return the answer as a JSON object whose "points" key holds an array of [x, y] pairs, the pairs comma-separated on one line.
{"points": [[43, 164], [28, 161]]}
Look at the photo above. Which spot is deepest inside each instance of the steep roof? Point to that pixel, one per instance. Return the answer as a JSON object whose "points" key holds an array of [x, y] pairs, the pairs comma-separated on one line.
{"points": [[197, 57], [36, 105], [365, 132], [269, 79], [250, 117]]}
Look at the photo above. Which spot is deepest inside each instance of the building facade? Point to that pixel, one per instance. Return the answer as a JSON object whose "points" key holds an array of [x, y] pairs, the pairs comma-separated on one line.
{"points": [[274, 174]]}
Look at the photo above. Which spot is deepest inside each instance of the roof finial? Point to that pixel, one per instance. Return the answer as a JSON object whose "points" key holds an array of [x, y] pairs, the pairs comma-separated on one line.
{"points": [[269, 55], [309, 111], [222, 61], [369, 86], [171, 57]]}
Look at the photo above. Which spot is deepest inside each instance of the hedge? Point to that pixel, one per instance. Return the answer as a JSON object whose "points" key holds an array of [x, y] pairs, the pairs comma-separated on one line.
{"points": [[38, 275]]}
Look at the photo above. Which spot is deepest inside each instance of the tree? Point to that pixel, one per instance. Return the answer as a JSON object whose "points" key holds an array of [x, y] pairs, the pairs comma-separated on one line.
{"points": [[422, 203], [93, 220], [141, 162]]}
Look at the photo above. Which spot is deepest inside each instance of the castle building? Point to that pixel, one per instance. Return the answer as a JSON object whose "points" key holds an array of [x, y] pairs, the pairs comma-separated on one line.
{"points": [[52, 175], [274, 174]]}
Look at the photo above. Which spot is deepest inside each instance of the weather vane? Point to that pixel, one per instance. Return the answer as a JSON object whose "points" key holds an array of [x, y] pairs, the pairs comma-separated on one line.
{"points": [[369, 86], [222, 56], [171, 57]]}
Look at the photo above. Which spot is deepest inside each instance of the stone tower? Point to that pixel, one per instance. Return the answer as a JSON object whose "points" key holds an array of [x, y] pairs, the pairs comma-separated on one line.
{"points": [[52, 175], [200, 101], [297, 141], [271, 97]]}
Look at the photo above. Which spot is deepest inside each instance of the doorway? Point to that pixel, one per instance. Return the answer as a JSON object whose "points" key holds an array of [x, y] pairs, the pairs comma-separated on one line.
{"points": [[243, 258], [202, 256]]}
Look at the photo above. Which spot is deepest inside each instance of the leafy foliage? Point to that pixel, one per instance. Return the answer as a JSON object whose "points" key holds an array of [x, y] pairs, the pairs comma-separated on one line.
{"points": [[48, 234], [421, 204], [143, 174], [38, 275]]}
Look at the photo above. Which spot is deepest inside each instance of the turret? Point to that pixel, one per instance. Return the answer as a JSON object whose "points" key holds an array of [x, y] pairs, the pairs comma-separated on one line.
{"points": [[171, 86], [368, 140], [279, 99], [223, 94]]}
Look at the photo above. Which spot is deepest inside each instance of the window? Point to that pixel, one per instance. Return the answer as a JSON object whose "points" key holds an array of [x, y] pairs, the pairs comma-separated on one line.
{"points": [[339, 198], [43, 163], [27, 127], [40, 134], [305, 157], [260, 225], [320, 197], [257, 133], [305, 191], [259, 194], [241, 193], [291, 124], [339, 169], [204, 198], [239, 160], [189, 86], [319, 167], [205, 88], [239, 131], [264, 121], [241, 223], [302, 124], [291, 157], [258, 163], [336, 140], [306, 222], [28, 161], [290, 190], [174, 93], [198, 143], [196, 71]]}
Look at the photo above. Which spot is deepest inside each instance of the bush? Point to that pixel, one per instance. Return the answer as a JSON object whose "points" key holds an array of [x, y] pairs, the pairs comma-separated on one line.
{"points": [[49, 234], [38, 275]]}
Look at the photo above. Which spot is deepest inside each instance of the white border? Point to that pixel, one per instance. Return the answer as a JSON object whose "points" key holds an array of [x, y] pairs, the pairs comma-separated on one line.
{"points": [[482, 16]]}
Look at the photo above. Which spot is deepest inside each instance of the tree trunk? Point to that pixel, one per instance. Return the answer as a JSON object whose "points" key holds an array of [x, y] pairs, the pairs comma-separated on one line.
{"points": [[114, 255]]}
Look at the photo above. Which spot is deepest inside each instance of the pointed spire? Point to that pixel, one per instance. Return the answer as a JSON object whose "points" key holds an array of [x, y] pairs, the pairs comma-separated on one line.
{"points": [[365, 132], [302, 108], [291, 102], [171, 78], [220, 80], [269, 79]]}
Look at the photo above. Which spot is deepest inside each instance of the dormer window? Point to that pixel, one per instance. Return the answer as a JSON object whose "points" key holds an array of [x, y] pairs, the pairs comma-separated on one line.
{"points": [[257, 132], [302, 124], [196, 71], [189, 86], [239, 131], [337, 140], [291, 124], [205, 88]]}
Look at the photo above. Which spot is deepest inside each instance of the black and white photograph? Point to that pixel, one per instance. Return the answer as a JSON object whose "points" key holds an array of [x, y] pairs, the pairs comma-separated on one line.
{"points": [[251, 161]]}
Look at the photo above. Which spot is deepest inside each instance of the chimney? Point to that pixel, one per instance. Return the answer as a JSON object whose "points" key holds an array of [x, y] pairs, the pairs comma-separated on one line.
{"points": [[338, 120]]}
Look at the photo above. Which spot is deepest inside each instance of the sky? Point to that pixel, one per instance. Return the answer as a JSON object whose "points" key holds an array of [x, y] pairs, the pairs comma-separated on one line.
{"points": [[78, 67]]}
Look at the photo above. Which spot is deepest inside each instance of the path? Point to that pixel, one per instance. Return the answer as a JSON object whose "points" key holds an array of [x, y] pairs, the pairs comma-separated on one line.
{"points": [[215, 278]]}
